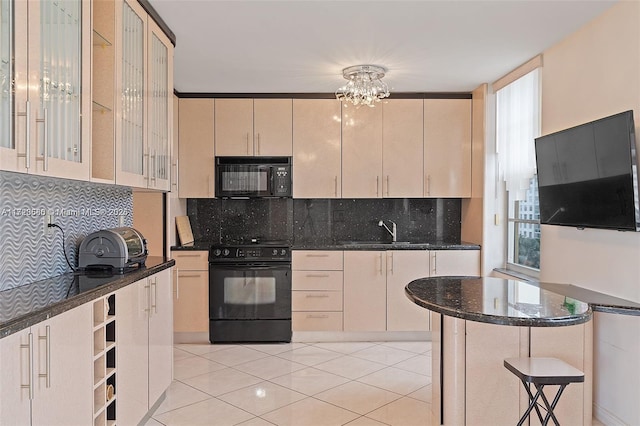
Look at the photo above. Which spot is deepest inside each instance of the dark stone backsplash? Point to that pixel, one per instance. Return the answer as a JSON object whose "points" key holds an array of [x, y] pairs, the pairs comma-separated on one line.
{"points": [[324, 221]]}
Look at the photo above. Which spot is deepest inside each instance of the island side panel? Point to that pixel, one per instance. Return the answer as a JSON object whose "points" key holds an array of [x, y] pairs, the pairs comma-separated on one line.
{"points": [[574, 345], [436, 376], [492, 392], [453, 370]]}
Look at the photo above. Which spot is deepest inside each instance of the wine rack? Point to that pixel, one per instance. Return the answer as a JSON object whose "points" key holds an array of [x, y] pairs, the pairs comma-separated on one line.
{"points": [[104, 361]]}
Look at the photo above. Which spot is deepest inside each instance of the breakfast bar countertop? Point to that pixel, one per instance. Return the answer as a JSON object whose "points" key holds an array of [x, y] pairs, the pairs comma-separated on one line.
{"points": [[24, 306], [497, 301], [513, 302]]}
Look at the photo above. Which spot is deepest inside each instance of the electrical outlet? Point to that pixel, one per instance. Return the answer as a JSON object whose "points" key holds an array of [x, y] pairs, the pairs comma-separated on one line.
{"points": [[47, 221]]}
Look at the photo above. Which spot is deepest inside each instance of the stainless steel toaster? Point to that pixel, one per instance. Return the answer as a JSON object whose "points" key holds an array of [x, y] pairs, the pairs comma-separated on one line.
{"points": [[117, 248]]}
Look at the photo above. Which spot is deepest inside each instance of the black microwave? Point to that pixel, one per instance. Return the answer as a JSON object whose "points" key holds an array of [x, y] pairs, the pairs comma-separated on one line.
{"points": [[253, 177]]}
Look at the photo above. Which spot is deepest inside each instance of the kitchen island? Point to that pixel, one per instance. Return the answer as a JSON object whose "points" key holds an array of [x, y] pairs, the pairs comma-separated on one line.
{"points": [[477, 323]]}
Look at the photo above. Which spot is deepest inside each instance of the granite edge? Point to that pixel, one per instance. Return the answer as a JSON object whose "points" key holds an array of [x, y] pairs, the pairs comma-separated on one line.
{"points": [[500, 320], [18, 324]]}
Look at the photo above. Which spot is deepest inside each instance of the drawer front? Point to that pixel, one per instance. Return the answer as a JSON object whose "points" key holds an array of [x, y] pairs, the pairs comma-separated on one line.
{"points": [[317, 321], [316, 260], [316, 301], [317, 280], [191, 260]]}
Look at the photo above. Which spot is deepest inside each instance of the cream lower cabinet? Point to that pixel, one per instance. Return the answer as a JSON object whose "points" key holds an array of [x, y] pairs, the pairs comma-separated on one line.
{"points": [[145, 340], [454, 262], [365, 291], [191, 292], [404, 266], [374, 298], [47, 372], [316, 148], [316, 300]]}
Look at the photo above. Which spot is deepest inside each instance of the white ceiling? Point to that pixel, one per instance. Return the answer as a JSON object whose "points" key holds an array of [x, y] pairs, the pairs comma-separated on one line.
{"points": [[301, 46]]}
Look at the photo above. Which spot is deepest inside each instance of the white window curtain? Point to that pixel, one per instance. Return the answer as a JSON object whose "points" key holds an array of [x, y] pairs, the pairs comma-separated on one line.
{"points": [[517, 125]]}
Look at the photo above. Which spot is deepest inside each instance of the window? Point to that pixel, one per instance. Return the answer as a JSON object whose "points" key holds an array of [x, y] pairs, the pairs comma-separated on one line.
{"points": [[517, 125]]}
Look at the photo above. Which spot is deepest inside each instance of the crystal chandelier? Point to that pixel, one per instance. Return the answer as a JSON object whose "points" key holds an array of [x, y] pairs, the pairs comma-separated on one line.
{"points": [[365, 85]]}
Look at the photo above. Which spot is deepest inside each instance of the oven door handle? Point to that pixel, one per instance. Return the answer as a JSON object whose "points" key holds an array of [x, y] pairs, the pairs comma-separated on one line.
{"points": [[252, 266]]}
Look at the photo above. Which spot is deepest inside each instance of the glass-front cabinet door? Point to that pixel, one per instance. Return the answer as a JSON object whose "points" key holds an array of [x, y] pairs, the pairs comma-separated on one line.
{"points": [[159, 90], [43, 105], [131, 158], [13, 86]]}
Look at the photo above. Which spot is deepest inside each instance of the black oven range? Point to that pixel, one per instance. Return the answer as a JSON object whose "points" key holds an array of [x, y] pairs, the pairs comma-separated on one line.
{"points": [[250, 293]]}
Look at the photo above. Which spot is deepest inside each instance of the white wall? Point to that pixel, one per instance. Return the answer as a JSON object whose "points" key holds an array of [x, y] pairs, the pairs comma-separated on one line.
{"points": [[593, 73]]}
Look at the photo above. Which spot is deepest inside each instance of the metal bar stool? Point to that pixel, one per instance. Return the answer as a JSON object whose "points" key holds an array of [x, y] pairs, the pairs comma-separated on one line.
{"points": [[541, 372]]}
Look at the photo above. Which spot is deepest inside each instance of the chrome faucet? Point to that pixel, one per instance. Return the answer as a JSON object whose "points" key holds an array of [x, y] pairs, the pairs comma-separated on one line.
{"points": [[394, 232]]}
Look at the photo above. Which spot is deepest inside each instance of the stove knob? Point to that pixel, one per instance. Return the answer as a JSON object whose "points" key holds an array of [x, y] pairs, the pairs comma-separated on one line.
{"points": [[216, 252], [225, 252], [275, 252], [283, 252]]}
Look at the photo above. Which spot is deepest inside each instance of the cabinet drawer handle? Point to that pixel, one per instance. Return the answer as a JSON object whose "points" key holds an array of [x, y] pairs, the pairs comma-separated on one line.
{"points": [[317, 296], [317, 255], [154, 296], [380, 263], [47, 339], [188, 255], [27, 144], [390, 256], [387, 185], [258, 144], [29, 347], [428, 184], [317, 275], [183, 275], [317, 316], [377, 186], [247, 136], [177, 284], [335, 184], [45, 156], [435, 263]]}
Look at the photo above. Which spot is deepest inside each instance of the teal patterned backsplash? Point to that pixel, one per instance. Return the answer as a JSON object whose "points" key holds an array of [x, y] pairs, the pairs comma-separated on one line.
{"points": [[79, 208]]}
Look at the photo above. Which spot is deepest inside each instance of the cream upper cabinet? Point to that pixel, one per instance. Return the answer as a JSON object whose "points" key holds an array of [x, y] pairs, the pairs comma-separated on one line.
{"points": [[365, 291], [144, 85], [131, 136], [260, 127], [404, 266], [362, 152], [273, 127], [45, 364], [402, 148], [51, 94], [454, 262], [195, 148], [159, 108], [447, 148], [316, 148]]}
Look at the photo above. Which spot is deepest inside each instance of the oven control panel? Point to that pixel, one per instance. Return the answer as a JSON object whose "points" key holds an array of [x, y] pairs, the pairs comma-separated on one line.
{"points": [[249, 253]]}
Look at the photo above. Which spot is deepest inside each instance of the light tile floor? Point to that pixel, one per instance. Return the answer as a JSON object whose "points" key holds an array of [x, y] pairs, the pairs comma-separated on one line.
{"points": [[302, 384]]}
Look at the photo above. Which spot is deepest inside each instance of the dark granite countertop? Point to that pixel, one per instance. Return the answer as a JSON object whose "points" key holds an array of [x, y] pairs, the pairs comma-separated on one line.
{"points": [[197, 245], [24, 306], [361, 245], [376, 245], [498, 301], [599, 302]]}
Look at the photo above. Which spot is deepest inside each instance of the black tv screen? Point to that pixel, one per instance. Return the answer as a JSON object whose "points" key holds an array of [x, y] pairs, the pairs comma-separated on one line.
{"points": [[587, 175]]}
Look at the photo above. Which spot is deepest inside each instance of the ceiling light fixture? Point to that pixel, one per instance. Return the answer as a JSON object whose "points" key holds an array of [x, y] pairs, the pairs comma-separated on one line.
{"points": [[365, 85]]}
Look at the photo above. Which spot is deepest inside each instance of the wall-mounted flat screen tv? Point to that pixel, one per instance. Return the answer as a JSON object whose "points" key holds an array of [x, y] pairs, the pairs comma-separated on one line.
{"points": [[588, 175]]}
